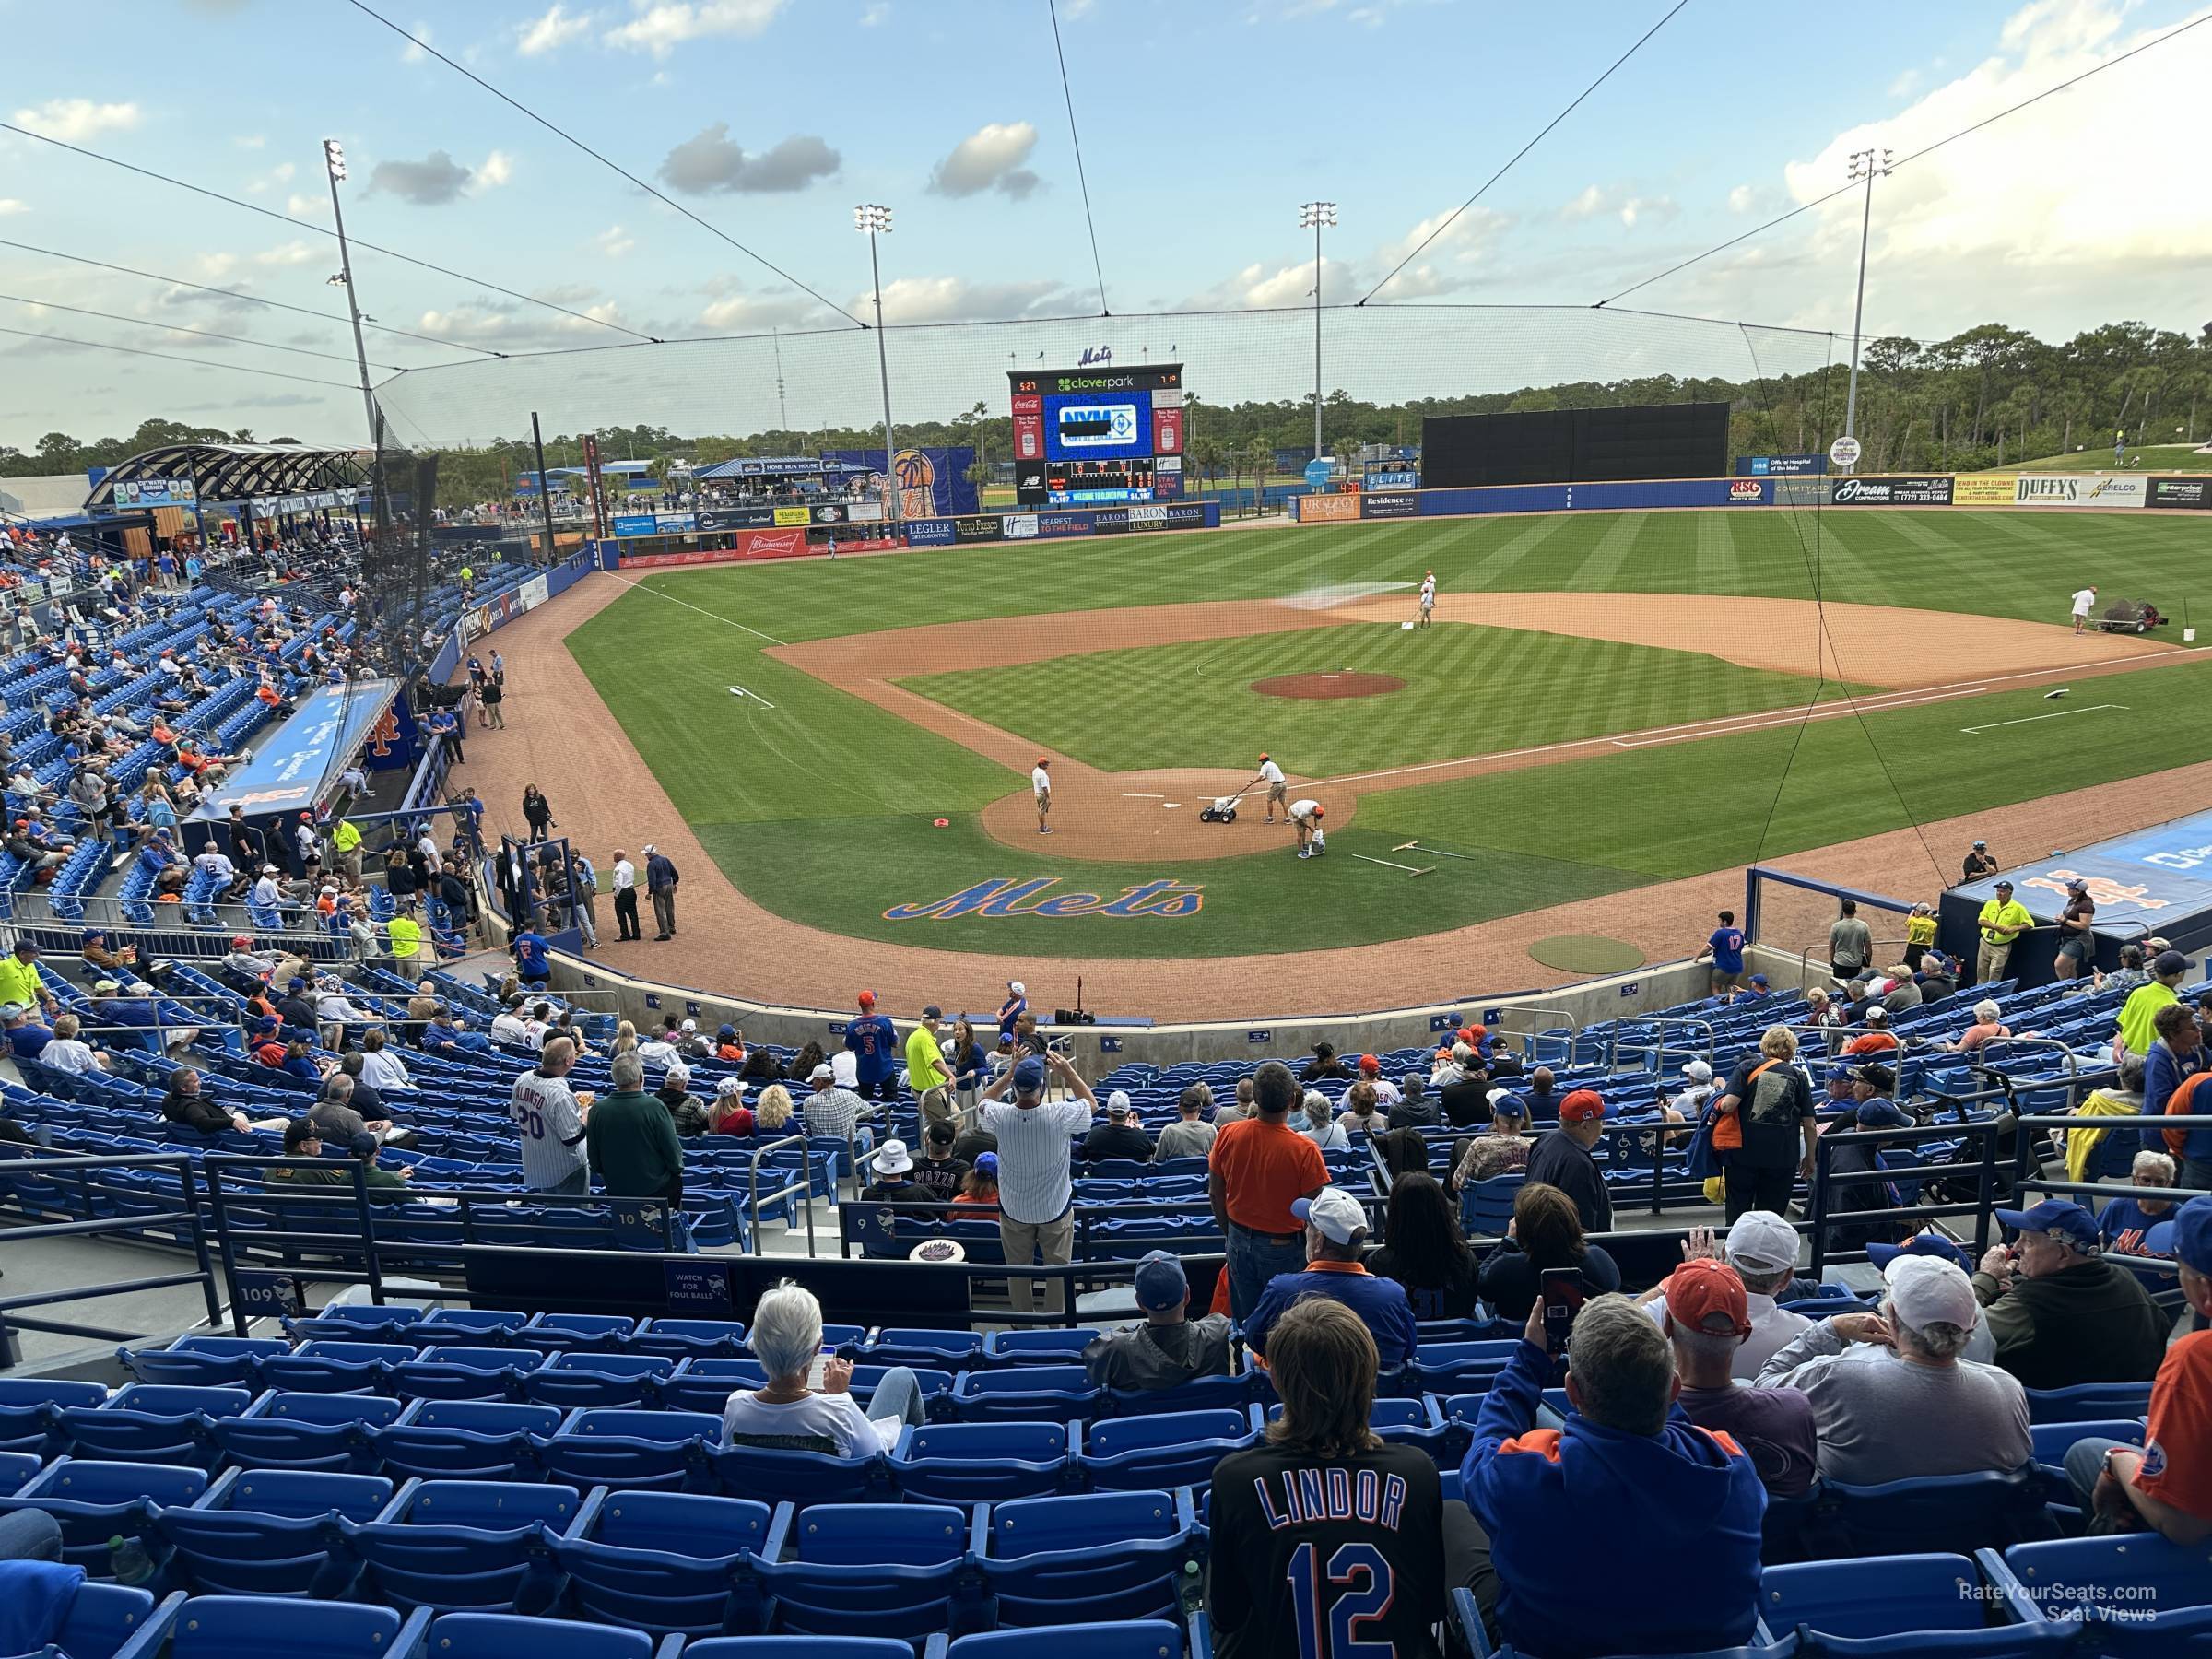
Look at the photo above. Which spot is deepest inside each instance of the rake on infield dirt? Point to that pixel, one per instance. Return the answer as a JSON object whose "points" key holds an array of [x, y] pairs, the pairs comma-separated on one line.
{"points": [[1386, 863], [1435, 851]]}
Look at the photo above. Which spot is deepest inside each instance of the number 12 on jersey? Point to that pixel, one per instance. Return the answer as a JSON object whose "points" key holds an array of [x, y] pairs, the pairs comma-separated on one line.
{"points": [[1332, 1609]]}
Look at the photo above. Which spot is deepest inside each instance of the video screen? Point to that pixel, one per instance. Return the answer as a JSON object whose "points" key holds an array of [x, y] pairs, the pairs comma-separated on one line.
{"points": [[1087, 425], [1099, 483]]}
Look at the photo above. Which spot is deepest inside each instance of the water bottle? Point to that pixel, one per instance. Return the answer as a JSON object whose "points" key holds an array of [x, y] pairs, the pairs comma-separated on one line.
{"points": [[128, 1561]]}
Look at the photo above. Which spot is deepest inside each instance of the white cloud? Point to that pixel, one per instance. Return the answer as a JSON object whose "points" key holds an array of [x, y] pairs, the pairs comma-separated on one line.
{"points": [[497, 169], [710, 163], [1074, 10], [295, 252], [12, 205], [250, 141], [282, 172], [1742, 199], [74, 120], [956, 299], [299, 204], [661, 26], [1907, 82], [613, 241], [1588, 205], [411, 52], [1647, 210], [216, 266], [878, 14], [551, 32], [991, 158], [2033, 208], [742, 313]]}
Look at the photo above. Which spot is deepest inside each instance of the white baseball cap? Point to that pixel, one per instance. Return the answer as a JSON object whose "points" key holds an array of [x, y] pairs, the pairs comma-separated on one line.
{"points": [[820, 1073], [1018, 987], [1335, 1212], [690, 1027], [1697, 1071], [1763, 1242], [1117, 1103], [1927, 1290]]}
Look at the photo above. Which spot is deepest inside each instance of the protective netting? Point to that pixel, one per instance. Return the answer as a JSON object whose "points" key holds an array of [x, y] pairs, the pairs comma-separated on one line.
{"points": [[397, 557], [1393, 359]]}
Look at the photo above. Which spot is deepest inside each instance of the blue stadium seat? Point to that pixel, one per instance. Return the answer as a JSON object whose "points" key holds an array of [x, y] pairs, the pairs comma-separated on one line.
{"points": [[799, 1478], [101, 1619], [1078, 1560], [1882, 1596], [1485, 1206], [267, 1626], [707, 1384], [152, 1422], [1128, 1639], [799, 1647], [2149, 1594], [457, 1546], [1042, 1346], [327, 1431], [595, 1380], [16, 1469], [452, 1372], [874, 1570], [30, 1411], [1933, 1515], [269, 1531], [979, 1463], [562, 1333], [655, 1451], [322, 1364], [1025, 1394], [467, 1328], [1200, 1393], [376, 1320], [465, 1439], [96, 1502], [1476, 1641], [668, 1562], [500, 1636], [1451, 1368], [1164, 1449], [2088, 1402], [688, 1338], [202, 1361], [941, 1350]]}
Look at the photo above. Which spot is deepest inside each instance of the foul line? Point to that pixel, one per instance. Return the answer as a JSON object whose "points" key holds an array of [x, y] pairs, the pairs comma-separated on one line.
{"points": [[2056, 714], [741, 691], [1821, 712], [701, 609]]}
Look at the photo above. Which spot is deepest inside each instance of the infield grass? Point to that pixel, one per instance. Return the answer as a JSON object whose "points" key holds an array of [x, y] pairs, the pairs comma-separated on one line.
{"points": [[821, 809]]}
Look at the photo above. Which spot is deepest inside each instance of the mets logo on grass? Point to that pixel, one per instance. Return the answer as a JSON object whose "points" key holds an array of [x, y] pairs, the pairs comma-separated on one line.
{"points": [[1002, 896]]}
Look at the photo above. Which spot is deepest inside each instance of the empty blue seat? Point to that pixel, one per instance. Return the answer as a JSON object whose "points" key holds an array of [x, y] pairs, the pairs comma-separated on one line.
{"points": [[1046, 1347], [95, 1501], [2088, 1401], [454, 1372], [601, 1380], [560, 1333], [379, 1316], [1935, 1515], [799, 1647], [101, 1619], [1166, 1450], [152, 1422], [465, 1439], [1878, 1595], [502, 1636], [16, 1467], [943, 1350], [324, 1366], [688, 1338], [269, 1531], [2148, 1593], [1451, 1368], [457, 1546], [267, 1626], [667, 1562], [327, 1432], [1026, 1393], [30, 1411], [979, 1463], [873, 1569], [1200, 1393], [1127, 1639], [1101, 1556], [658, 1451], [467, 1327], [201, 1361]]}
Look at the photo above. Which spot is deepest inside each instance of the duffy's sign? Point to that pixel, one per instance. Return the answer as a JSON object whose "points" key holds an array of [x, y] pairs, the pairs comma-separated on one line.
{"points": [[1005, 896]]}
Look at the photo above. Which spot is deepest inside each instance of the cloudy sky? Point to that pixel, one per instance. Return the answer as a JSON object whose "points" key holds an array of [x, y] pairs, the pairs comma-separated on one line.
{"points": [[1205, 125]]}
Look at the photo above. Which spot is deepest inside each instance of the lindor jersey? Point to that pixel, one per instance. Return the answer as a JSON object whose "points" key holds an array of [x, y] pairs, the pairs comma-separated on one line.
{"points": [[1326, 1560]]}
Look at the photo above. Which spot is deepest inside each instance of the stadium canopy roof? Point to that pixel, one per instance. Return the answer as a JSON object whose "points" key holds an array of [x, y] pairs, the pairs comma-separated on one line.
{"points": [[237, 472], [773, 466]]}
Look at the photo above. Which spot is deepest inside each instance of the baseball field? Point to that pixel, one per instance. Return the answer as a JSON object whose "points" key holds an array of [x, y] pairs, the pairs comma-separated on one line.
{"points": [[1604, 702]]}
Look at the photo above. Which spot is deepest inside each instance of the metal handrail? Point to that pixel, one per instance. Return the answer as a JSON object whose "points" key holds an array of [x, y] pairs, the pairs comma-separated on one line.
{"points": [[1805, 959], [1823, 1178], [752, 1183], [1528, 1037], [2076, 1071], [1659, 1050]]}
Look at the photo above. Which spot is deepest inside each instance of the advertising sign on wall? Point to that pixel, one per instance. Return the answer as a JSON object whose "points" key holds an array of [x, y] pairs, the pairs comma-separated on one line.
{"points": [[1389, 504], [2078, 489], [1984, 489], [1326, 508], [2180, 492], [1780, 466], [1746, 492], [636, 523], [736, 518], [930, 532], [1920, 492]]}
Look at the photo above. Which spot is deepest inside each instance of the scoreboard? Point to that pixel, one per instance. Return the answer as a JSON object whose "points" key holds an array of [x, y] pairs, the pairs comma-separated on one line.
{"points": [[1097, 435]]}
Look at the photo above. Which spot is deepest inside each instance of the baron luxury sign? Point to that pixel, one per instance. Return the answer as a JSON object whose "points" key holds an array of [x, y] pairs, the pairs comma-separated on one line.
{"points": [[1001, 895]]}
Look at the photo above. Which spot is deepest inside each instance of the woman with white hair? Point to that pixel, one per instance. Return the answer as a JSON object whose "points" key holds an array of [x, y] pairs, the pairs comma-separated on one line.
{"points": [[793, 1413], [1988, 1025], [1321, 1126]]}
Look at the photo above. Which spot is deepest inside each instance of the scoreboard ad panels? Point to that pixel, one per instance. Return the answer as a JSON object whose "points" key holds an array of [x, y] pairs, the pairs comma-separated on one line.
{"points": [[1098, 437], [1575, 446]]}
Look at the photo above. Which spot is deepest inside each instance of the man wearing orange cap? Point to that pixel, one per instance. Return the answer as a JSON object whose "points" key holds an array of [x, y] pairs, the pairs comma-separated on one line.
{"points": [[1562, 1159], [1708, 1319], [1278, 786], [1041, 785], [873, 1045], [1305, 819]]}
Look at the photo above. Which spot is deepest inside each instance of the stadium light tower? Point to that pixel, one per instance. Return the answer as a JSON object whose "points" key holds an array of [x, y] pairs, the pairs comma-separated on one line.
{"points": [[1314, 216], [333, 163], [1864, 165], [871, 219]]}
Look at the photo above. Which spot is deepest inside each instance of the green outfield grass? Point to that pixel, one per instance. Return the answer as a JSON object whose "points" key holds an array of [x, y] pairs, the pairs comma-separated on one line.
{"points": [[1468, 691], [821, 809]]}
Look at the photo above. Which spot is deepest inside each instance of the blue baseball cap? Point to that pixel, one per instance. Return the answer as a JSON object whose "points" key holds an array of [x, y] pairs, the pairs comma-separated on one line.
{"points": [[988, 1163], [1160, 1283], [2187, 1238], [1028, 1074], [2059, 1218], [1928, 1245], [1882, 1114]]}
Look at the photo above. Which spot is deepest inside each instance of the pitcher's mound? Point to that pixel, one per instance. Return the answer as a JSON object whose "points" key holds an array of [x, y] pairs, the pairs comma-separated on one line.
{"points": [[1316, 686]]}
